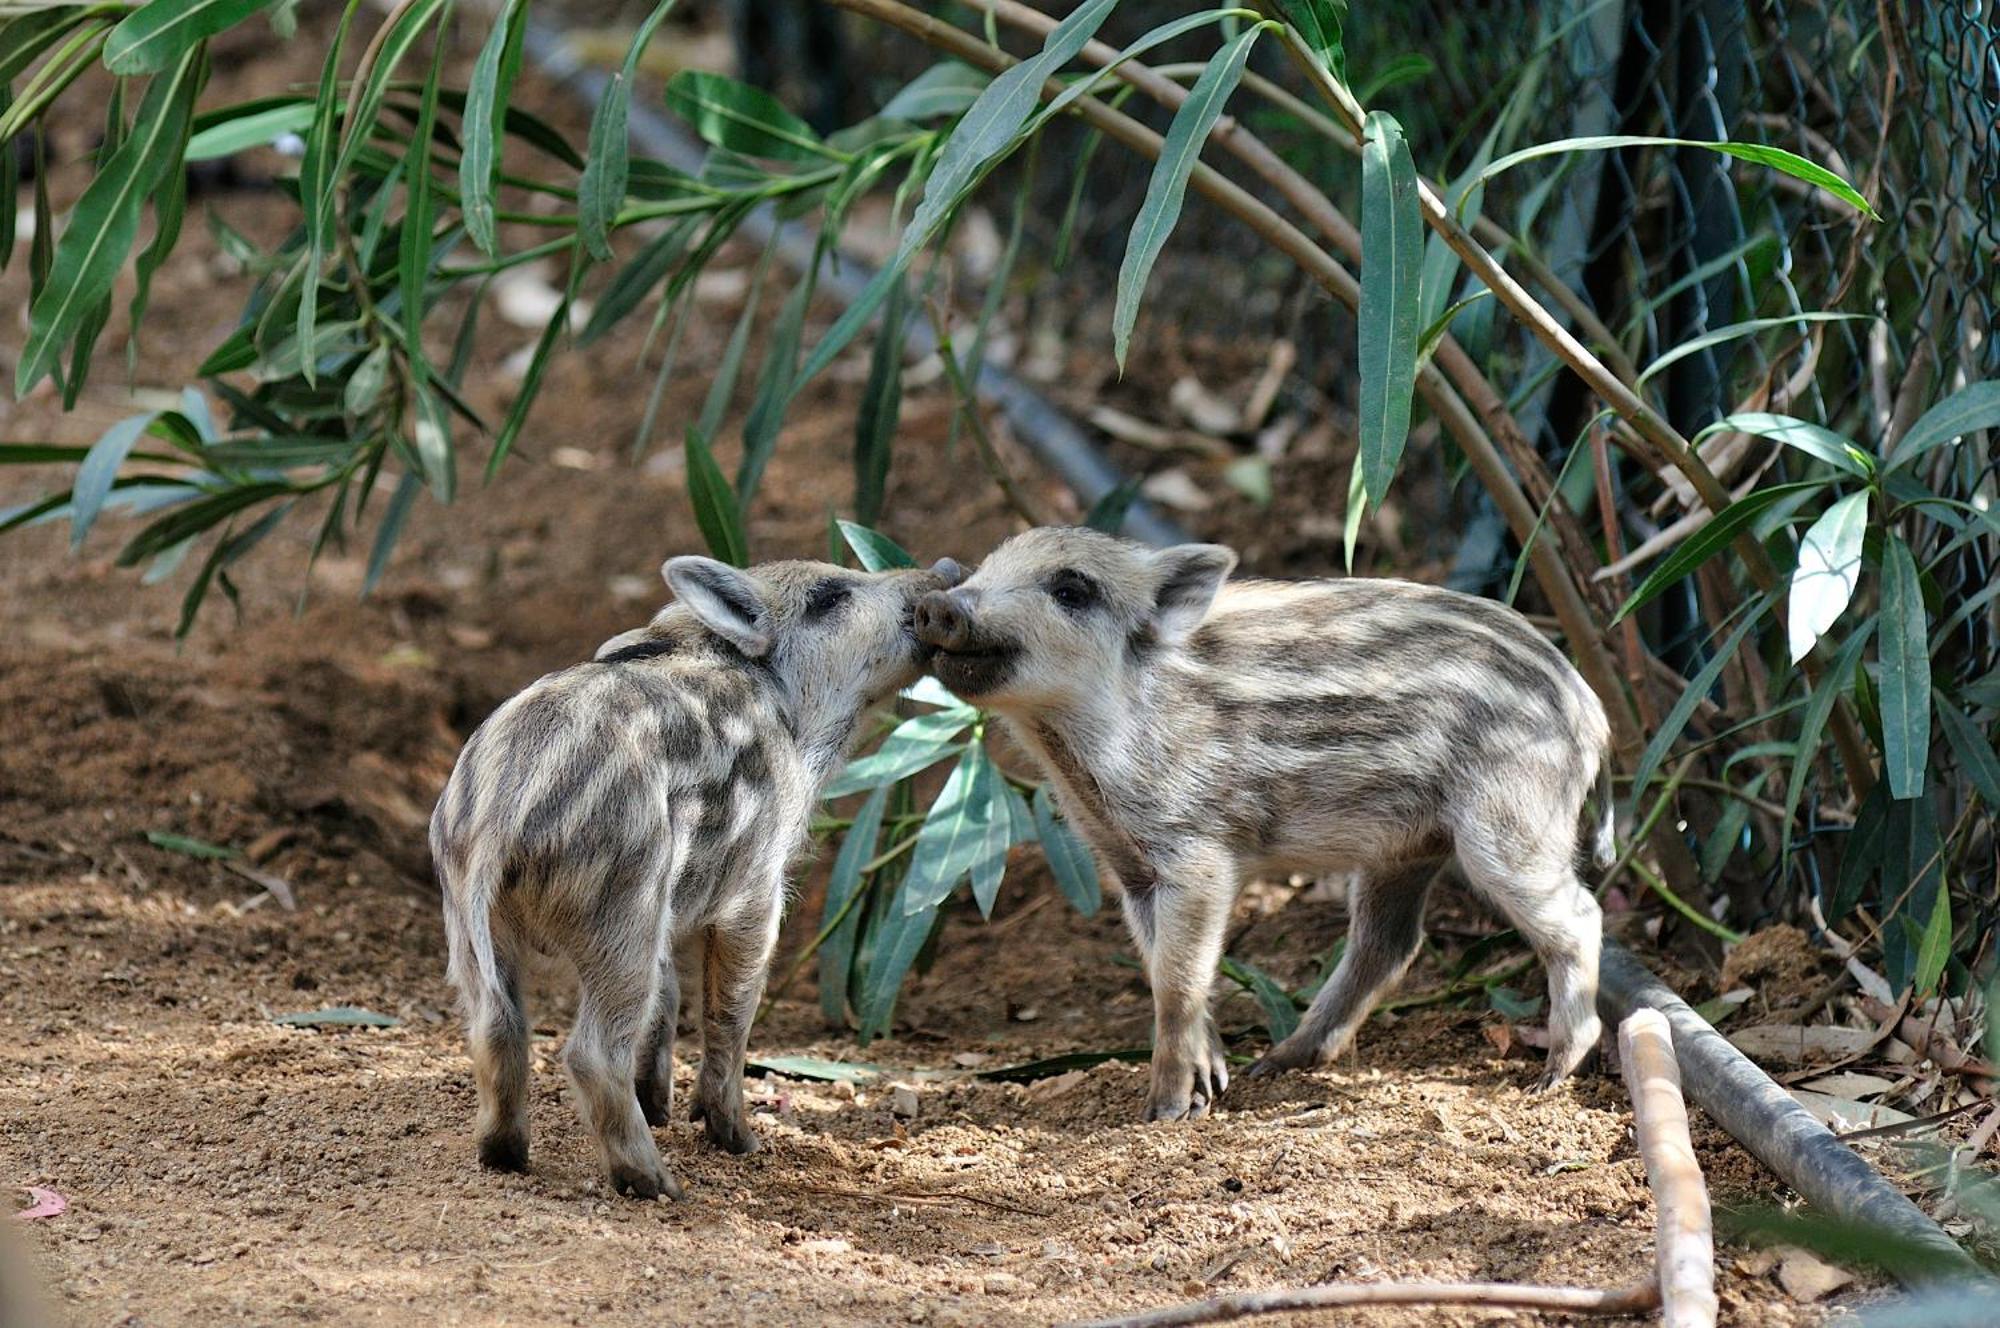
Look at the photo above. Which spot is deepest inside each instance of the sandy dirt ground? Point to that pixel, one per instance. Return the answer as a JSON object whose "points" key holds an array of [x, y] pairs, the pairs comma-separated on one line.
{"points": [[223, 1168]]}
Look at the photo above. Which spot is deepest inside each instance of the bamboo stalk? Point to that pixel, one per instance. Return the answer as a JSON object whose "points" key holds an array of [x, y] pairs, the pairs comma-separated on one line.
{"points": [[1686, 1241], [1634, 1299]]}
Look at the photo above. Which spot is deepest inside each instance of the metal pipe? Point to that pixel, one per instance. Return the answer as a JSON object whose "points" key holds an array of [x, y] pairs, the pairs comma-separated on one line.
{"points": [[1781, 1134]]}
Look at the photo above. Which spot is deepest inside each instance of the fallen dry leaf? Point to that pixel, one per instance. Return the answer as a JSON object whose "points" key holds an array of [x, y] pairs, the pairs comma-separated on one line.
{"points": [[1807, 1277], [43, 1202]]}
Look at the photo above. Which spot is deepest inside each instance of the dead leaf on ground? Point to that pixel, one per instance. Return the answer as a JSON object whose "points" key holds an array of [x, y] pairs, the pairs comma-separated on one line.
{"points": [[1795, 1044], [42, 1202], [1840, 1113], [1807, 1277]]}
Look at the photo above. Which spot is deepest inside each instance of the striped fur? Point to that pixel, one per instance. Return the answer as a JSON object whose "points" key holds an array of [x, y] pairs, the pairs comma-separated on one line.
{"points": [[658, 792], [1202, 731]]}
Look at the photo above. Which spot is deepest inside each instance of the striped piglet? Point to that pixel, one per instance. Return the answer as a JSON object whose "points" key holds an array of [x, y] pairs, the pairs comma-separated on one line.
{"points": [[659, 791], [1200, 732]]}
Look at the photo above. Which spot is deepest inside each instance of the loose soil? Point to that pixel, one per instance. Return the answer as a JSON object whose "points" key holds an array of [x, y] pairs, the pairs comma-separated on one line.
{"points": [[221, 1167]]}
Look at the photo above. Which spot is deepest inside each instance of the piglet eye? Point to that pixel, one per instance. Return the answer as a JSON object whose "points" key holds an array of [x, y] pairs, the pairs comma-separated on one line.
{"points": [[1072, 591], [826, 597]]}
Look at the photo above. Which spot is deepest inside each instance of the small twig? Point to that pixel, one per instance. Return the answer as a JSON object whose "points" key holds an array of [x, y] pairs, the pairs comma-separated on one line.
{"points": [[1634, 1299], [1686, 1228], [941, 1197]]}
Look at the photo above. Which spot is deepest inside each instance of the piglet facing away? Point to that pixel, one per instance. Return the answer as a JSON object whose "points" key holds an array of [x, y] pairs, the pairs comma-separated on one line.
{"points": [[1200, 732], [660, 790]]}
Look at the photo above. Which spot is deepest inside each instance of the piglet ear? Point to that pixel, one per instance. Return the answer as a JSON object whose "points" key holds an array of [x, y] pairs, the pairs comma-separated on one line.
{"points": [[726, 599], [1189, 575]]}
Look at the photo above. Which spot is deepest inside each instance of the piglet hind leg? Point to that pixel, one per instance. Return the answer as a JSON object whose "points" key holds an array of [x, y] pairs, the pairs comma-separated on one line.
{"points": [[654, 1079], [499, 1044], [614, 1009], [1384, 934], [736, 957], [1540, 893]]}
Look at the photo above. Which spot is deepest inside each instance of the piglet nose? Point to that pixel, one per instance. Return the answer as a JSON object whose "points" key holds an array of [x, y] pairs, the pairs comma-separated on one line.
{"points": [[948, 571], [942, 621]]}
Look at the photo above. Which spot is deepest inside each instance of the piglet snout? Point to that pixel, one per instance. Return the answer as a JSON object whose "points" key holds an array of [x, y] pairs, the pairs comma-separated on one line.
{"points": [[942, 621]]}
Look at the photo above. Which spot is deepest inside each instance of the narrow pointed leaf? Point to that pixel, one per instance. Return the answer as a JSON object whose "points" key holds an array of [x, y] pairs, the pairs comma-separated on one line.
{"points": [[1750, 327], [1392, 255], [1975, 754], [1709, 540], [1936, 947], [898, 937], [1757, 153], [1964, 411], [602, 190], [1070, 861], [714, 503], [741, 118], [491, 86], [1167, 188], [1698, 690], [836, 952], [956, 833], [156, 34], [875, 551], [1906, 672], [1811, 439], [99, 469], [943, 89], [390, 530], [916, 744], [1829, 568], [106, 220]]}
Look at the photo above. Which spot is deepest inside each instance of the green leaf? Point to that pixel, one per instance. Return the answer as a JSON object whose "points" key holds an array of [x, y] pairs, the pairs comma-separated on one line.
{"points": [[1070, 860], [1776, 158], [390, 530], [1861, 853], [106, 220], [943, 89], [1936, 946], [1167, 188], [1695, 345], [985, 131], [1318, 25], [316, 177], [1970, 408], [491, 86], [898, 938], [722, 385], [1698, 689], [741, 118], [1974, 752], [813, 1067], [647, 269], [602, 190], [1409, 67], [194, 517], [1281, 1013], [1811, 439], [194, 848], [250, 129], [413, 252], [337, 1016], [1392, 250], [875, 551], [957, 833], [156, 34], [1828, 569], [1108, 512], [714, 503], [277, 452], [915, 744], [1048, 1067], [538, 363], [1709, 540], [100, 467], [836, 952], [881, 408], [1906, 672], [773, 388], [1820, 705]]}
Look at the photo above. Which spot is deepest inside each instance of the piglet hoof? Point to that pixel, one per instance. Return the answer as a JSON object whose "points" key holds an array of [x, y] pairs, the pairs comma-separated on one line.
{"points": [[725, 1129], [504, 1152], [656, 1102], [645, 1182], [1283, 1058]]}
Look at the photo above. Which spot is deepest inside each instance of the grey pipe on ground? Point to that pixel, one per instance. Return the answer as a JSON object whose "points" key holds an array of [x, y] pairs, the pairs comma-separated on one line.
{"points": [[1050, 435], [1781, 1134]]}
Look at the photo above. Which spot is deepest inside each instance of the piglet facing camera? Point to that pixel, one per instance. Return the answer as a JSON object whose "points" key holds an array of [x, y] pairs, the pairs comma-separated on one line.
{"points": [[1201, 730], [653, 794]]}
